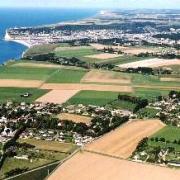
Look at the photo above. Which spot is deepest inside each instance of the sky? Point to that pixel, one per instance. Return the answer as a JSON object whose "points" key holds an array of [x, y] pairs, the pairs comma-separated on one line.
{"points": [[109, 4]]}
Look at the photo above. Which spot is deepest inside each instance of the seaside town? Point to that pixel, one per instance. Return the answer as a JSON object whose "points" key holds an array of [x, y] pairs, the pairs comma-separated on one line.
{"points": [[105, 89]]}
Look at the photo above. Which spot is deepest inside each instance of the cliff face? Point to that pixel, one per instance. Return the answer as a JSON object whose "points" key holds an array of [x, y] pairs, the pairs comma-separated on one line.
{"points": [[7, 37]]}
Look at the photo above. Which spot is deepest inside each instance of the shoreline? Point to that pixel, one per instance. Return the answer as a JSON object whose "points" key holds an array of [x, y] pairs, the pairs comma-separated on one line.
{"points": [[22, 42]]}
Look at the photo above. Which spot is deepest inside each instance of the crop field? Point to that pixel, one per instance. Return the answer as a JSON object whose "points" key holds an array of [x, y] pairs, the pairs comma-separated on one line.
{"points": [[155, 62], [50, 145], [85, 87], [88, 166], [123, 141], [103, 56], [170, 134], [14, 94], [77, 52], [166, 79], [96, 76], [57, 96], [93, 97], [67, 76], [27, 73], [75, 118]]}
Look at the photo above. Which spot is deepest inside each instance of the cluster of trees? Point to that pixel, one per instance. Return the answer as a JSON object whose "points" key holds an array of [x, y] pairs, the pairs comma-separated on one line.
{"points": [[140, 103], [101, 125], [73, 61], [16, 171], [174, 94], [161, 139], [149, 71], [111, 50]]}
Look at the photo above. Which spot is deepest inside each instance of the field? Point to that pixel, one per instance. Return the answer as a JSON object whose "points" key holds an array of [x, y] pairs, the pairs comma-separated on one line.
{"points": [[27, 73], [123, 141], [50, 145], [103, 56], [85, 87], [155, 62], [169, 133], [90, 166], [20, 83], [75, 118], [166, 79], [14, 94], [57, 96], [78, 52], [96, 76], [93, 98], [67, 76]]}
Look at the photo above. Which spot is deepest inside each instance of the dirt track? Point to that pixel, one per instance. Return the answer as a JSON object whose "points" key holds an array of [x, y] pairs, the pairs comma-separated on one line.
{"points": [[57, 96], [20, 83], [89, 166], [93, 87], [104, 77], [123, 141]]}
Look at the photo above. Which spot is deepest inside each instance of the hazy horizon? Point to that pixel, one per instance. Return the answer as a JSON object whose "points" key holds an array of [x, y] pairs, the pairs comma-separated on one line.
{"points": [[97, 4]]}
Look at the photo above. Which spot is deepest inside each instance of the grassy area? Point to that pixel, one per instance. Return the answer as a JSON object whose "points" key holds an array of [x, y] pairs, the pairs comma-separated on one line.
{"points": [[50, 145], [149, 94], [41, 49], [13, 94], [67, 76], [44, 153], [28, 73], [93, 97], [170, 134], [76, 52]]}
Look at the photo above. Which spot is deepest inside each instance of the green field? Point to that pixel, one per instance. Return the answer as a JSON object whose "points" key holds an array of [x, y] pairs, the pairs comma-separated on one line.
{"points": [[67, 76], [93, 98], [13, 94], [77, 52], [28, 73], [170, 133]]}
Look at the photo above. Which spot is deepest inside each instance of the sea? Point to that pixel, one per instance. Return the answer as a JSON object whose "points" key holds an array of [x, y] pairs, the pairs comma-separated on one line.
{"points": [[25, 17]]}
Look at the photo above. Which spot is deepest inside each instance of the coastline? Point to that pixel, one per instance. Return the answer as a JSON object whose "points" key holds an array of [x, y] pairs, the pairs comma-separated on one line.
{"points": [[8, 38]]}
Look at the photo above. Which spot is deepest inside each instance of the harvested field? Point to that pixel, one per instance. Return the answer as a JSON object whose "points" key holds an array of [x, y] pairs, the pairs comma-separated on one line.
{"points": [[75, 118], [136, 51], [105, 77], [90, 166], [20, 83], [102, 46], [38, 65], [153, 63], [123, 141], [57, 96], [170, 79], [81, 87], [103, 56], [49, 145]]}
